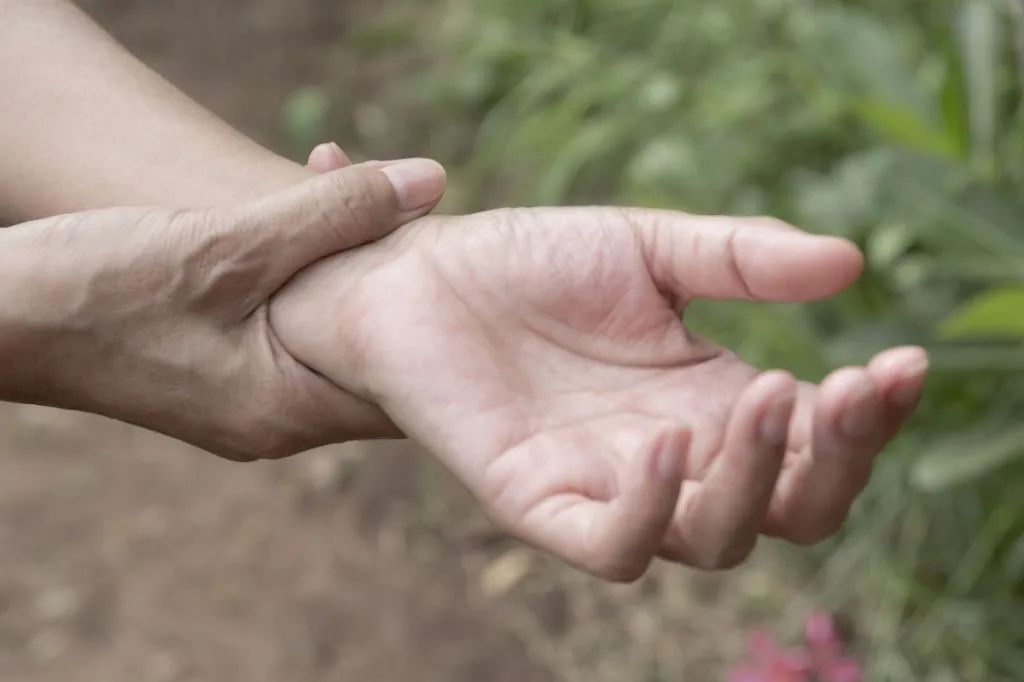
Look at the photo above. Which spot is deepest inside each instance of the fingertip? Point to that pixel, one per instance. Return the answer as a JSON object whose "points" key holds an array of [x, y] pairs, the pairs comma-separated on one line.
{"points": [[900, 374], [780, 384], [902, 359], [327, 157], [418, 183], [803, 267], [840, 260], [773, 428], [845, 253], [840, 383]]}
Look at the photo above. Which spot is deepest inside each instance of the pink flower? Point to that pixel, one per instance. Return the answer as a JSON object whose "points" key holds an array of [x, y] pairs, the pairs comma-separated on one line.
{"points": [[825, 647], [821, 658], [771, 663], [844, 670]]}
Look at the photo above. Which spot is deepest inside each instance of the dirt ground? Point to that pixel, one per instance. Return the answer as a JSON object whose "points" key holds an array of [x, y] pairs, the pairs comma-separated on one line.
{"points": [[129, 557], [126, 557]]}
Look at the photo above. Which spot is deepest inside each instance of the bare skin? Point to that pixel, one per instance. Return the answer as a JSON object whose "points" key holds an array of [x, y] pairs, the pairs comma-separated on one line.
{"points": [[104, 130], [158, 316], [540, 354]]}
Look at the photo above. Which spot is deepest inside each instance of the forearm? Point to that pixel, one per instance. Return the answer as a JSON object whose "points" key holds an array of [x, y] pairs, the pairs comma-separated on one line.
{"points": [[83, 124], [159, 316]]}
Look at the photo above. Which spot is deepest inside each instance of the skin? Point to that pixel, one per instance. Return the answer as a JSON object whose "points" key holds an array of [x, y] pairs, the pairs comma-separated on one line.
{"points": [[539, 353], [80, 111], [158, 317]]}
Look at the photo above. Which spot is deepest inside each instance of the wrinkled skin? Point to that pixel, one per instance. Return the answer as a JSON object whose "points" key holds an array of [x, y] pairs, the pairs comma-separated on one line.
{"points": [[540, 353], [158, 316]]}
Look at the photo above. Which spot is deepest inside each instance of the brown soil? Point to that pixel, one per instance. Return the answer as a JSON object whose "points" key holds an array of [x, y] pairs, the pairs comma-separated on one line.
{"points": [[127, 556]]}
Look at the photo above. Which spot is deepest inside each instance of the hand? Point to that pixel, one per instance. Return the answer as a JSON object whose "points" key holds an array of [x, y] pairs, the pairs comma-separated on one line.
{"points": [[540, 353], [159, 317]]}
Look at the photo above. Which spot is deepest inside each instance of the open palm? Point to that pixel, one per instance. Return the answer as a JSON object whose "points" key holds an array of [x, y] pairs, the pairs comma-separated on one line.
{"points": [[541, 354]]}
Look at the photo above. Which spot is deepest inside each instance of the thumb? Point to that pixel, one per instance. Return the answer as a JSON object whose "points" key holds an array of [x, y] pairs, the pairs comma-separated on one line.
{"points": [[759, 259], [285, 232]]}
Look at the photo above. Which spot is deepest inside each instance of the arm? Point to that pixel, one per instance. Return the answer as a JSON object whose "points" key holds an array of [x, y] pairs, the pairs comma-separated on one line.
{"points": [[540, 354], [104, 130], [154, 316], [159, 316]]}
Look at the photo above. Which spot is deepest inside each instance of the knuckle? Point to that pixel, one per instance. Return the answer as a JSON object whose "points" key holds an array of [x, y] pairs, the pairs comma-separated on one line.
{"points": [[735, 555], [622, 575], [714, 559], [732, 261], [723, 557], [810, 534], [619, 568], [705, 561]]}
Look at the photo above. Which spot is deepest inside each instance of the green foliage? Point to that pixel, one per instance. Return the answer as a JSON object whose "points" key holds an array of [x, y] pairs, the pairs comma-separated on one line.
{"points": [[967, 457], [896, 124], [997, 313], [304, 118]]}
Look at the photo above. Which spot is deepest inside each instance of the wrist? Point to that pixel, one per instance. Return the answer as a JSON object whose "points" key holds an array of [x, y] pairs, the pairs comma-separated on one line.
{"points": [[318, 319], [30, 317]]}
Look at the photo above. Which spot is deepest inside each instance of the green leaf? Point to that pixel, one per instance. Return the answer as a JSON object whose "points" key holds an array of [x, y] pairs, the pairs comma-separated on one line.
{"points": [[862, 55], [954, 100], [967, 457], [977, 357], [998, 313], [981, 41], [904, 126]]}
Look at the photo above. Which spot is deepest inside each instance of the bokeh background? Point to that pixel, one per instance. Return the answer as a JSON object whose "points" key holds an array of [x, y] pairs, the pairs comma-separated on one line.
{"points": [[124, 556]]}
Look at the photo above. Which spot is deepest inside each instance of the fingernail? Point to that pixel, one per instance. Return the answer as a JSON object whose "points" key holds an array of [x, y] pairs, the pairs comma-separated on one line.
{"points": [[775, 423], [862, 413], [417, 182], [337, 152], [908, 390], [327, 156]]}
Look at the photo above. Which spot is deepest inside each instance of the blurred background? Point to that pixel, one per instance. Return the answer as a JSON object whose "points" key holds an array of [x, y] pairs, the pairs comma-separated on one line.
{"points": [[124, 556]]}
